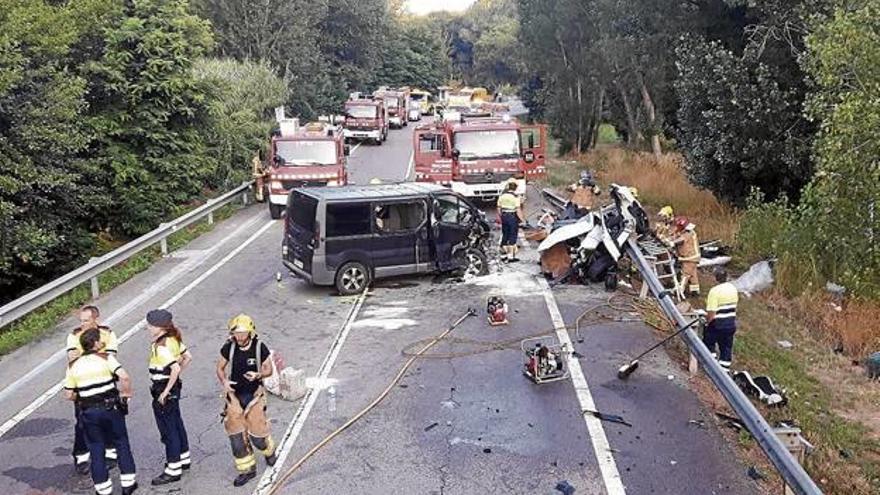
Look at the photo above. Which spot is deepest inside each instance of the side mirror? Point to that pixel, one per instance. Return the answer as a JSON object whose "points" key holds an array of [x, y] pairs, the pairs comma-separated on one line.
{"points": [[346, 149], [456, 153], [529, 156], [531, 140], [277, 161]]}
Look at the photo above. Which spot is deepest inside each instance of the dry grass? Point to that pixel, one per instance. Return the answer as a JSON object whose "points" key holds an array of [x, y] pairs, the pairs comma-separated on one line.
{"points": [[659, 183]]}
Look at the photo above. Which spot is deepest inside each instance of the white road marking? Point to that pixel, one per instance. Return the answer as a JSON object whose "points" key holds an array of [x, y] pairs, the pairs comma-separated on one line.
{"points": [[601, 447], [48, 394], [302, 414], [163, 282], [351, 153]]}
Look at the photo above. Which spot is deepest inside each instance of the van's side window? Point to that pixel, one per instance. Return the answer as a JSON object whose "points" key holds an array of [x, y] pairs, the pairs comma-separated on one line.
{"points": [[446, 209], [348, 219], [399, 217]]}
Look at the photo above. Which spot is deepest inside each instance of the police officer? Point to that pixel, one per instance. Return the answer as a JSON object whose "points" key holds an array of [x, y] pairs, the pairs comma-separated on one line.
{"points": [[510, 210], [245, 412], [168, 358], [721, 318], [91, 382], [88, 318]]}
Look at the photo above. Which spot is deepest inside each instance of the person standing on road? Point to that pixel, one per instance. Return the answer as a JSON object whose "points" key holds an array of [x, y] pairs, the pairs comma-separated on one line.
{"points": [[90, 382], [88, 318], [168, 358], [510, 210], [245, 410], [721, 318], [687, 248]]}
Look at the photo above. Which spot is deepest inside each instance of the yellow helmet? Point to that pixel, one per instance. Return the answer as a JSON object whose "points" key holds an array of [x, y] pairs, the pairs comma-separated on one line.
{"points": [[666, 212], [634, 192], [242, 323]]}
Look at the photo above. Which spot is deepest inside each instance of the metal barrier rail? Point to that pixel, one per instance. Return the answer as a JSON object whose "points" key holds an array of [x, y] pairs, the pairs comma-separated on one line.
{"points": [[785, 464], [554, 199], [96, 266]]}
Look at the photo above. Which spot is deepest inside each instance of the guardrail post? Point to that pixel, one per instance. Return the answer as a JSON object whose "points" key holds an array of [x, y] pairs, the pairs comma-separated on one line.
{"points": [[211, 218], [164, 245], [96, 291], [244, 198]]}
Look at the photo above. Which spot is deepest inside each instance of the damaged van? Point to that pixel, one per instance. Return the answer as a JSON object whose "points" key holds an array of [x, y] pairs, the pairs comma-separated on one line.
{"points": [[349, 236]]}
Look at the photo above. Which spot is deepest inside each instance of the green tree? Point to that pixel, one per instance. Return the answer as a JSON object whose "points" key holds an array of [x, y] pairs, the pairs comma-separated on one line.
{"points": [[242, 96], [147, 109], [48, 191]]}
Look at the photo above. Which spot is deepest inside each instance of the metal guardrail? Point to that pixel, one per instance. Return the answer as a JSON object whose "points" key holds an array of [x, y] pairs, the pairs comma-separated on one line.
{"points": [[96, 266], [554, 199], [785, 463]]}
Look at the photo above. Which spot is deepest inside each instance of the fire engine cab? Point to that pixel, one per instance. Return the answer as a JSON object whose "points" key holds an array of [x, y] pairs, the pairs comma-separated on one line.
{"points": [[366, 119], [475, 157], [304, 156], [396, 104]]}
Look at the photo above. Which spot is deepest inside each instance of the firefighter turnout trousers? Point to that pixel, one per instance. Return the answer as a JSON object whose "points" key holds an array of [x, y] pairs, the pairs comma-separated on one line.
{"points": [[248, 428]]}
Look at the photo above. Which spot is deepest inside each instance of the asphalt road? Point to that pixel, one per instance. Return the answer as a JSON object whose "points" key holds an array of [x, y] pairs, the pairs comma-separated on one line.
{"points": [[453, 425]]}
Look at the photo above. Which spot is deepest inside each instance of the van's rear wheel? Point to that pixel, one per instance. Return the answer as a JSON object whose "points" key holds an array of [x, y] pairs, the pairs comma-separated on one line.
{"points": [[275, 211], [352, 278]]}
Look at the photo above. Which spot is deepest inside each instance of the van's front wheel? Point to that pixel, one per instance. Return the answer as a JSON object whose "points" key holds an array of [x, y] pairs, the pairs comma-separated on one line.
{"points": [[476, 263], [352, 278]]}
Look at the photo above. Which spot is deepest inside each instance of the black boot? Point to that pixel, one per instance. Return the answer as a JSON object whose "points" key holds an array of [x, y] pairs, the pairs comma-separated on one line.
{"points": [[82, 468], [128, 490], [243, 478], [271, 459], [164, 479]]}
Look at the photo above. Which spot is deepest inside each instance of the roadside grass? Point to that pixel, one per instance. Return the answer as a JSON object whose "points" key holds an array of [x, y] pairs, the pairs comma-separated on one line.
{"points": [[43, 320], [830, 398]]}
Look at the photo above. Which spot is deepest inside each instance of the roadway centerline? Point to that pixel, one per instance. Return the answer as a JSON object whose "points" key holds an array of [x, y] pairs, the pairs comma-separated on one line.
{"points": [[267, 481], [48, 394], [601, 447]]}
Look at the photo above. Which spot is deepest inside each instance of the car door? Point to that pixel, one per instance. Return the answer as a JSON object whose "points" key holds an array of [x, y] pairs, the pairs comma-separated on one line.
{"points": [[450, 228], [396, 242]]}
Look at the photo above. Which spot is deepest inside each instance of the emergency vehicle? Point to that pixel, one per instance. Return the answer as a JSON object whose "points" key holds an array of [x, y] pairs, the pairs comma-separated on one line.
{"points": [[421, 99], [366, 119], [475, 157], [396, 104], [304, 156]]}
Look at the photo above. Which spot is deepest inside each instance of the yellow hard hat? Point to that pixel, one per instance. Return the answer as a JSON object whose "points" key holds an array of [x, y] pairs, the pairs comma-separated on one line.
{"points": [[634, 192], [666, 211], [242, 323]]}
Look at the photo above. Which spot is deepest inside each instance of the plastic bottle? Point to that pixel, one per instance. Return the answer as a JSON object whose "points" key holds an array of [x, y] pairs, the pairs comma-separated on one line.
{"points": [[331, 392]]}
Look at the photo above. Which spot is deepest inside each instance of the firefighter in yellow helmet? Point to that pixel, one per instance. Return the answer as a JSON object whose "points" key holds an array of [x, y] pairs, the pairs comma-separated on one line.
{"points": [[665, 226], [244, 363], [687, 247]]}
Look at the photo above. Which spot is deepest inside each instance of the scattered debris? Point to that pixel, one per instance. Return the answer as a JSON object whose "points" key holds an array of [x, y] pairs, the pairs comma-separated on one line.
{"points": [[699, 423], [760, 387], [487, 450], [612, 418], [673, 463], [758, 277], [670, 377], [731, 421], [835, 290], [756, 474], [846, 454], [785, 344], [431, 426], [564, 487]]}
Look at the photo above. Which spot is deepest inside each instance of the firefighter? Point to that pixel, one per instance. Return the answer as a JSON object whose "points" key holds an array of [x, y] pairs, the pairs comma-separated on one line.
{"points": [[665, 225], [91, 382], [510, 211], [585, 191], [88, 318], [245, 411], [687, 248], [168, 358], [721, 318]]}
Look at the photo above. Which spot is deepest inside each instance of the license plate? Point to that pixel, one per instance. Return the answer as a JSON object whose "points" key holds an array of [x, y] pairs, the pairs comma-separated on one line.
{"points": [[298, 264]]}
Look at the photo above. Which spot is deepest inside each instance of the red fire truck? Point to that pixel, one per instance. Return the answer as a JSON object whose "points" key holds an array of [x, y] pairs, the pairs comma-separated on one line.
{"points": [[476, 156], [366, 119], [397, 105], [310, 155]]}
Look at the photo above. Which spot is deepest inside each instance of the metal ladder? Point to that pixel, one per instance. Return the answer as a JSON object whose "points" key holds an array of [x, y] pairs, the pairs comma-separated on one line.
{"points": [[662, 262]]}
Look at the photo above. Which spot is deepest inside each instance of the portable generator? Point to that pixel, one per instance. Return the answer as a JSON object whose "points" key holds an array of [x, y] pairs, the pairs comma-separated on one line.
{"points": [[496, 309], [544, 362]]}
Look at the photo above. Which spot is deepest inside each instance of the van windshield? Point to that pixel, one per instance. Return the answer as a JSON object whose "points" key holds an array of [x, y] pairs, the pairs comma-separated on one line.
{"points": [[362, 111], [306, 153], [487, 144]]}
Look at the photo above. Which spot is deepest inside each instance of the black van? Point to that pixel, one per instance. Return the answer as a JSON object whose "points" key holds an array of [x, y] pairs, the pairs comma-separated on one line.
{"points": [[349, 236]]}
